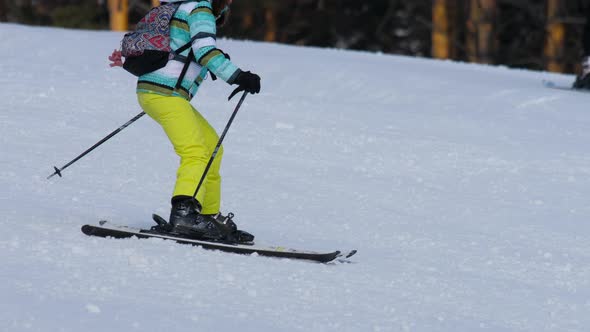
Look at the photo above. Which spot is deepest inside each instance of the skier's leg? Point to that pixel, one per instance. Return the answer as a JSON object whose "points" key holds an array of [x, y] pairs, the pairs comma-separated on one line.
{"points": [[186, 133], [212, 184]]}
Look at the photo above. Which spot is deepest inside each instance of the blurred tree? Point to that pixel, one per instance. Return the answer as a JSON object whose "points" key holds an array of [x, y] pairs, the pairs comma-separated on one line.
{"points": [[533, 34], [3, 11], [119, 14], [81, 16], [443, 28], [555, 42], [270, 18], [481, 34], [521, 33], [23, 11]]}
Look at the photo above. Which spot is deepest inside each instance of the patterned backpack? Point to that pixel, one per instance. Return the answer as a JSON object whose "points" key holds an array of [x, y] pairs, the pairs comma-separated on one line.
{"points": [[148, 47]]}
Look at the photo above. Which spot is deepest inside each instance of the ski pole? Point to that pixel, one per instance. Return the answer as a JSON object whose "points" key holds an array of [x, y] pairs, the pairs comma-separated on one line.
{"points": [[231, 119], [59, 170]]}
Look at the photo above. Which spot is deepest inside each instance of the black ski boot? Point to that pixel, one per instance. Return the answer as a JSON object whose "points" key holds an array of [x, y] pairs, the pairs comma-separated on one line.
{"points": [[583, 80], [228, 227], [186, 220]]}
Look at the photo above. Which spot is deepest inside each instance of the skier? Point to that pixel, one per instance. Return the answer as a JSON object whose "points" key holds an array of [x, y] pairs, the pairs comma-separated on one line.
{"points": [[191, 135], [583, 80]]}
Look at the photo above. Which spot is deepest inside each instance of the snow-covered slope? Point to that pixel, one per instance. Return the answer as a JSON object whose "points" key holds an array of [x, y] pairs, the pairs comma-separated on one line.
{"points": [[464, 187]]}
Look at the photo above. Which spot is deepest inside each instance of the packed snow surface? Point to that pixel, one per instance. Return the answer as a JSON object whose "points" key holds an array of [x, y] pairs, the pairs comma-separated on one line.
{"points": [[464, 187]]}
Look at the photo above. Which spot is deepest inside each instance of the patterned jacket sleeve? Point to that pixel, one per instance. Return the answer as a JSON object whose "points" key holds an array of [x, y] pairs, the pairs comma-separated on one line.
{"points": [[203, 31]]}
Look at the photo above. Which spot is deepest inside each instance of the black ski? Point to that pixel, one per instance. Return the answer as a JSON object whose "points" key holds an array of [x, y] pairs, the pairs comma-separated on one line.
{"points": [[107, 229]]}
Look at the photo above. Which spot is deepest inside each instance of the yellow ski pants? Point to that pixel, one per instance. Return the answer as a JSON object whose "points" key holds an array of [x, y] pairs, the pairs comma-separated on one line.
{"points": [[193, 140]]}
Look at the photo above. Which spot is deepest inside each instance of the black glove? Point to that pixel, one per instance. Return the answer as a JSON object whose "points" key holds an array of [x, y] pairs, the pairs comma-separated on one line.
{"points": [[248, 82]]}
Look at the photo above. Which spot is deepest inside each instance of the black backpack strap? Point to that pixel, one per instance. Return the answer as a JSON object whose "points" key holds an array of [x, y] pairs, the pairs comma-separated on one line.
{"points": [[187, 63], [190, 58], [184, 47]]}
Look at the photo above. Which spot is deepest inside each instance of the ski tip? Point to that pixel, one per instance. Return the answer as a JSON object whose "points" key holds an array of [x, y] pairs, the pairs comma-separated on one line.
{"points": [[87, 229], [329, 257], [343, 257], [92, 229], [351, 253]]}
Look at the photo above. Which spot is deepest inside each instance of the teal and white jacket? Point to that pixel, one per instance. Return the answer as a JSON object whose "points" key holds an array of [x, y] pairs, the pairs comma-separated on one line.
{"points": [[194, 20]]}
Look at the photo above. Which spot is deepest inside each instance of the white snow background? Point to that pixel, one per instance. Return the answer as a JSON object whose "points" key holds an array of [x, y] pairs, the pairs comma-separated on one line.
{"points": [[464, 187]]}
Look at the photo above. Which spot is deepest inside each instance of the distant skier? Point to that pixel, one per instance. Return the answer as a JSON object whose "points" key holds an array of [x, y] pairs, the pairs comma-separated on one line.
{"points": [[583, 80], [191, 135]]}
